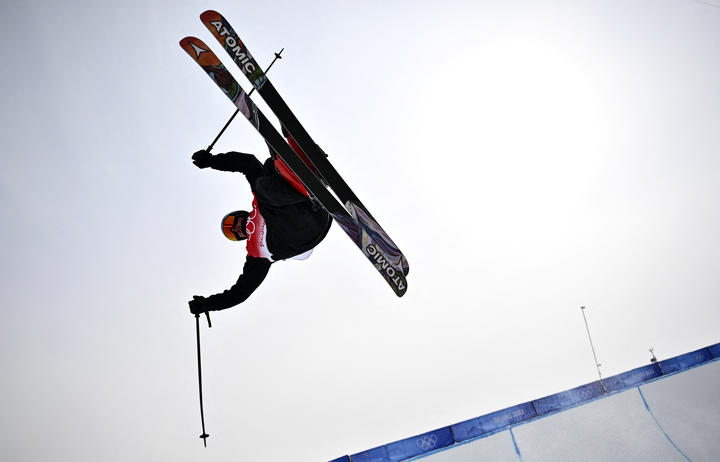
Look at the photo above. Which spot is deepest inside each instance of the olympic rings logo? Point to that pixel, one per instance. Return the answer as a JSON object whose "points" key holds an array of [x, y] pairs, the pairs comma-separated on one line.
{"points": [[427, 442], [250, 225]]}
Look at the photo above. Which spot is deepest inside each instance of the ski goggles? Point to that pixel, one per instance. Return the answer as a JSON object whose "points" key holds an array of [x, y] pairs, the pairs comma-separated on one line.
{"points": [[228, 224]]}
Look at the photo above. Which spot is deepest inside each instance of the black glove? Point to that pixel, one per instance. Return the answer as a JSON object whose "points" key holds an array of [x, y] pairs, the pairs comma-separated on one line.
{"points": [[202, 158], [198, 305]]}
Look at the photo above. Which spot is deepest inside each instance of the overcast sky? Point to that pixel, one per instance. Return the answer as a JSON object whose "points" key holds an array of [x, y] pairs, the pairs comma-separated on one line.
{"points": [[528, 157]]}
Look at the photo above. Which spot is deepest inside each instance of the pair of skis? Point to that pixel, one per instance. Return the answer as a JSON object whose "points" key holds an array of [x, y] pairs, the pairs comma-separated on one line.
{"points": [[348, 212]]}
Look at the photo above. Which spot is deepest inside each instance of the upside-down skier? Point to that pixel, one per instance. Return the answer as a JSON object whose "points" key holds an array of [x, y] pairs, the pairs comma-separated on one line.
{"points": [[283, 223]]}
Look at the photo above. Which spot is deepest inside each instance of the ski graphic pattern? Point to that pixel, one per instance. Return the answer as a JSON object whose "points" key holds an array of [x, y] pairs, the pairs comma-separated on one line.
{"points": [[365, 239], [234, 46], [220, 75]]}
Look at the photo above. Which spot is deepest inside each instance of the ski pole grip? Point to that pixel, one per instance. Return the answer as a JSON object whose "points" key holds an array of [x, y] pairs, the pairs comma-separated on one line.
{"points": [[207, 314]]}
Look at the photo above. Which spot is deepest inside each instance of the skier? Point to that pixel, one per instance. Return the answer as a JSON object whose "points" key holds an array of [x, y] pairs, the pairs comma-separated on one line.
{"points": [[352, 216], [285, 222]]}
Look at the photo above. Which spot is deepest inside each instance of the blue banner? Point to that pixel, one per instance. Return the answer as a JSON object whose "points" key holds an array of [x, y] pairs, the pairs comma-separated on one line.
{"points": [[566, 399], [342, 459], [492, 422], [686, 361], [632, 378]]}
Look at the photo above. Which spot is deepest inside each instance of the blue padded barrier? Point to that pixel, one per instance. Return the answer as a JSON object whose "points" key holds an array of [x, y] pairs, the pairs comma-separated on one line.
{"points": [[632, 378], [715, 350], [407, 448], [420, 444], [682, 362], [568, 398], [506, 418], [378, 454], [492, 422]]}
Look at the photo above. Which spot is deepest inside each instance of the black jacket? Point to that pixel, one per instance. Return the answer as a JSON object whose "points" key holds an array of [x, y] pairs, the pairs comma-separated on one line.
{"points": [[294, 224]]}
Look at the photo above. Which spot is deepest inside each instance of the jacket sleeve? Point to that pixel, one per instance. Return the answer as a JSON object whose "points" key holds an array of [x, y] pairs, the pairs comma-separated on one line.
{"points": [[254, 272], [247, 164]]}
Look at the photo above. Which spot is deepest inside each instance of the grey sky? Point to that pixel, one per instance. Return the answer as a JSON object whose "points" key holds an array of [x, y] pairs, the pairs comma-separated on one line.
{"points": [[527, 157]]}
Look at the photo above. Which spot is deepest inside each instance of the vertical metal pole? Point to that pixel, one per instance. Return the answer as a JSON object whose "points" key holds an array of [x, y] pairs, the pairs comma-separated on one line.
{"points": [[597, 364], [652, 352]]}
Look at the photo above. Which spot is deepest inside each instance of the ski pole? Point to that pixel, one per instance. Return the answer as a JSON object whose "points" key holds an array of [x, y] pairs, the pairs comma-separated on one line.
{"points": [[204, 435], [209, 148]]}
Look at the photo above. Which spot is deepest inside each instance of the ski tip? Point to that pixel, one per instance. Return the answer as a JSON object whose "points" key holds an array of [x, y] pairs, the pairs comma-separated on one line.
{"points": [[210, 15], [398, 283], [190, 39], [402, 291], [201, 53]]}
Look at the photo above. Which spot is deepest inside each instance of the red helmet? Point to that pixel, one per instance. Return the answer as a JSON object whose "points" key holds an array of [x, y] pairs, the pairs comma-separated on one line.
{"points": [[229, 221]]}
